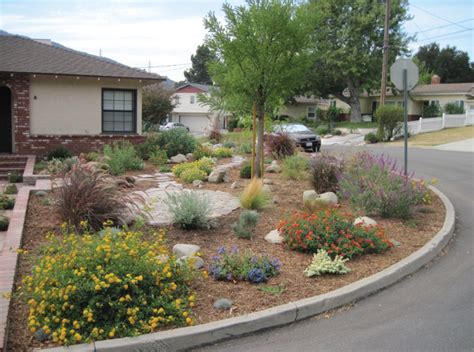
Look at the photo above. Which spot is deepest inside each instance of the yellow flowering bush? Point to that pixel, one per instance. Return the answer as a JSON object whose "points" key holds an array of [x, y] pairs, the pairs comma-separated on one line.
{"points": [[89, 287]]}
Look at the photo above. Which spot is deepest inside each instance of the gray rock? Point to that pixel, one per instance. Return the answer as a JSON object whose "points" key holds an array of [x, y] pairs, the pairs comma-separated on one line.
{"points": [[183, 250], [273, 167], [41, 194], [223, 304], [177, 159], [197, 262], [198, 183], [365, 221], [328, 198], [274, 237], [268, 181], [309, 196], [217, 175], [190, 156]]}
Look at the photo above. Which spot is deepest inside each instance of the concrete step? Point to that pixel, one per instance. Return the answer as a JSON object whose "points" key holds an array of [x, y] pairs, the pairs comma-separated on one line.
{"points": [[6, 170], [8, 164], [6, 157]]}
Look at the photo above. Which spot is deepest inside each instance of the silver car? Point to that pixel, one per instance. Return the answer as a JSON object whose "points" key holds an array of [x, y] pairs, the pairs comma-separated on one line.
{"points": [[172, 125]]}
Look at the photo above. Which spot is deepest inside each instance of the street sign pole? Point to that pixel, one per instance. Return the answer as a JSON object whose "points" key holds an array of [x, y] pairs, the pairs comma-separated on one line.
{"points": [[405, 117]]}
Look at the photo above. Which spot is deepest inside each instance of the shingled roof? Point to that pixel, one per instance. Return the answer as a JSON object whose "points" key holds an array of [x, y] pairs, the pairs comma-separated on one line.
{"points": [[20, 54]]}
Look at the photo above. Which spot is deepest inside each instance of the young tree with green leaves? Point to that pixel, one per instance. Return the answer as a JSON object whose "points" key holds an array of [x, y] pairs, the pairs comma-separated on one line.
{"points": [[262, 56], [198, 73], [348, 47], [157, 104]]}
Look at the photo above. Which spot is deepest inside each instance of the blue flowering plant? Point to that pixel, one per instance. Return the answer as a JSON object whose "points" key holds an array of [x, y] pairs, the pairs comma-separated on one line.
{"points": [[231, 265]]}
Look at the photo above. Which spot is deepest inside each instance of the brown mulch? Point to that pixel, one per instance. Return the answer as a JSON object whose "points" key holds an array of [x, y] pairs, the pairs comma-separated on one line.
{"points": [[247, 298]]}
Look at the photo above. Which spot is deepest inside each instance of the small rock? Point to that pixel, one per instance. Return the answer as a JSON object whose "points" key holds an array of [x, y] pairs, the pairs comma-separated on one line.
{"points": [[217, 175], [365, 221], [268, 181], [190, 156], [223, 304], [183, 250], [197, 262], [41, 194], [274, 237], [395, 242], [178, 159], [41, 336], [329, 198], [197, 183], [234, 185], [273, 167], [130, 179], [309, 196]]}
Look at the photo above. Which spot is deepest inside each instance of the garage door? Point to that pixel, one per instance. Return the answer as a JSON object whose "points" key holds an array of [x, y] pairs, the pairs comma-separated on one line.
{"points": [[196, 123]]}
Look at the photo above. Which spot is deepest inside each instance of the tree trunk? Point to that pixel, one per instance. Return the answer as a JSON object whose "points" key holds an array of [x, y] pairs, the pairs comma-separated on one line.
{"points": [[259, 149], [354, 100]]}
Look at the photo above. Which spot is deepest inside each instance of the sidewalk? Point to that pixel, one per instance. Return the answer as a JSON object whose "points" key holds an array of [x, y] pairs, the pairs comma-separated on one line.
{"points": [[348, 139], [466, 145]]}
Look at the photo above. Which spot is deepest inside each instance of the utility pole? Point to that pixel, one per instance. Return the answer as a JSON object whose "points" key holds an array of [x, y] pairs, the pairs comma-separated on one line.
{"points": [[383, 87]]}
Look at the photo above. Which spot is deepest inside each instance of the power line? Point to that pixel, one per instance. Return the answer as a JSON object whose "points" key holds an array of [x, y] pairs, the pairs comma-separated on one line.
{"points": [[439, 27], [446, 35], [434, 15]]}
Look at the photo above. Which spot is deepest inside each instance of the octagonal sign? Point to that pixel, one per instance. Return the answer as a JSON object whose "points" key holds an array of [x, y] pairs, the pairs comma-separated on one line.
{"points": [[396, 73]]}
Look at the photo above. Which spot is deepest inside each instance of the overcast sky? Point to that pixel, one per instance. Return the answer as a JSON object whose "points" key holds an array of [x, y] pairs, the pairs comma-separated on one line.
{"points": [[167, 32]]}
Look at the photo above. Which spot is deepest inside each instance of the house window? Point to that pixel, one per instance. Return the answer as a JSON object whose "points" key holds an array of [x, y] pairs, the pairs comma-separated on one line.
{"points": [[311, 112], [332, 103], [460, 103], [119, 110], [193, 99]]}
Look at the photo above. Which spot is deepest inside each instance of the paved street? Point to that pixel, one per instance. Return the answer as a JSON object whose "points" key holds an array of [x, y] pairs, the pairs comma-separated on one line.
{"points": [[432, 310]]}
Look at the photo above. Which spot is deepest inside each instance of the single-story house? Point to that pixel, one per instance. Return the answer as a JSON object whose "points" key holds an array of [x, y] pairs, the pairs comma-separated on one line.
{"points": [[307, 107], [198, 117], [52, 96]]}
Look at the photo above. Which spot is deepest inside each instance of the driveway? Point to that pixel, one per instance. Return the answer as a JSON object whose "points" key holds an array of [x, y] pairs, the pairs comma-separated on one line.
{"points": [[431, 310]]}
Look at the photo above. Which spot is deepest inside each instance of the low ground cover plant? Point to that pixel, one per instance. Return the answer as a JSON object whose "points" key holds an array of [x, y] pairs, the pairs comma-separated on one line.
{"points": [[222, 152], [158, 157], [235, 266], [6, 202], [246, 171], [87, 287], [322, 264], [376, 185], [332, 231], [196, 170], [193, 174], [254, 196], [121, 157], [87, 195], [15, 177], [4, 222], [295, 167], [11, 189], [190, 210], [248, 220], [325, 169], [279, 145], [371, 138], [202, 151]]}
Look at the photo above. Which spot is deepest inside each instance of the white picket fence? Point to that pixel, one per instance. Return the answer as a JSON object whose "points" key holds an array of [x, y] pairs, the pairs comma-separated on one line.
{"points": [[438, 123]]}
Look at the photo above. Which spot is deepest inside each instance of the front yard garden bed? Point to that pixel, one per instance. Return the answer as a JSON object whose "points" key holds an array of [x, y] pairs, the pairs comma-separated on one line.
{"points": [[290, 285]]}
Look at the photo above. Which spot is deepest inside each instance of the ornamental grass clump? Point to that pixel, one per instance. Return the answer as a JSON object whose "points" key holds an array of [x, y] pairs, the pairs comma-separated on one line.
{"points": [[322, 264], [376, 185], [279, 145], [254, 196], [190, 210], [86, 288], [333, 231], [325, 169], [87, 194], [248, 220], [295, 167], [235, 266]]}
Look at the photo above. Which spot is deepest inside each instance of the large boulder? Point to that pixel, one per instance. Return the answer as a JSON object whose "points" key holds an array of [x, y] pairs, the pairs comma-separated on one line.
{"points": [[274, 237], [217, 175], [365, 221], [273, 167], [328, 198], [185, 250], [178, 159], [309, 196]]}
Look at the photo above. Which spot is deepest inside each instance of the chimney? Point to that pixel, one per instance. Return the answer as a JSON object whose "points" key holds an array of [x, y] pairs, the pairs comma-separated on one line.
{"points": [[435, 79]]}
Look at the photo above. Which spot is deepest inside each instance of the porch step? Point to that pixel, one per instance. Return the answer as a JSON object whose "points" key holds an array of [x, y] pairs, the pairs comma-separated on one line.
{"points": [[7, 157], [6, 170], [8, 163]]}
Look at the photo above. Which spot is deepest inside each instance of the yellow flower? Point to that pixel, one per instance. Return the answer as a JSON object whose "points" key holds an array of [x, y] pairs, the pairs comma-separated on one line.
{"points": [[189, 321], [77, 337], [112, 333]]}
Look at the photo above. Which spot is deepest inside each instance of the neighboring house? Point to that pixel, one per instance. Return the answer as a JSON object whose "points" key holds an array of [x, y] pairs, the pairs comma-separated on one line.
{"points": [[190, 112], [52, 96], [307, 107]]}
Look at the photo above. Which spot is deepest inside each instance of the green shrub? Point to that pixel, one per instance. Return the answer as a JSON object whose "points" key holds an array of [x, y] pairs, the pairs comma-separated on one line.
{"points": [[190, 210], [202, 151], [204, 164], [325, 170], [40, 166], [11, 189], [247, 221], [222, 152], [453, 108], [6, 203], [121, 157], [159, 157], [246, 171], [148, 147], [323, 264], [254, 197], [4, 222], [333, 232], [322, 130], [85, 296], [245, 148], [87, 196], [59, 153], [165, 168], [295, 167], [389, 118], [15, 177], [233, 265], [92, 156], [177, 141], [337, 132], [229, 144], [371, 138], [192, 174], [431, 110]]}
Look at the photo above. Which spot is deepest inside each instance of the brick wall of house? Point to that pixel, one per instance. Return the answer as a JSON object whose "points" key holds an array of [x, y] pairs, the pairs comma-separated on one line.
{"points": [[40, 145]]}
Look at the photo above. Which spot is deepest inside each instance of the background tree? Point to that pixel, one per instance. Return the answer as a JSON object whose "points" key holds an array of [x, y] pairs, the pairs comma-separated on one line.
{"points": [[157, 104], [198, 73], [260, 55], [450, 64], [348, 38]]}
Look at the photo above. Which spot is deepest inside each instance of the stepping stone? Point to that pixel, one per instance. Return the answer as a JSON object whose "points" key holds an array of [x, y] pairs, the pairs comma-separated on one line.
{"points": [[274, 237]]}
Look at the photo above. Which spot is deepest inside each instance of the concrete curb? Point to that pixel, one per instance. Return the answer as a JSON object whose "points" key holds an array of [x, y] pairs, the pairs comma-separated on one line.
{"points": [[185, 338]]}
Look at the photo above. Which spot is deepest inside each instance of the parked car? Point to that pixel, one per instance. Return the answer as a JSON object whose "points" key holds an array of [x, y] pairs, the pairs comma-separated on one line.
{"points": [[172, 125], [302, 135]]}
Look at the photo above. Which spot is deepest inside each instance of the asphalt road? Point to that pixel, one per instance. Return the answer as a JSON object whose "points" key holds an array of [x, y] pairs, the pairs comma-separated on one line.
{"points": [[432, 310]]}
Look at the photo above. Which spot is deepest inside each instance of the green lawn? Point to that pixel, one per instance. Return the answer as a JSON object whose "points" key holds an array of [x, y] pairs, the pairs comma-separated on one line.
{"points": [[447, 135]]}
